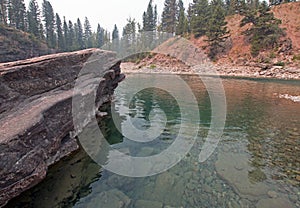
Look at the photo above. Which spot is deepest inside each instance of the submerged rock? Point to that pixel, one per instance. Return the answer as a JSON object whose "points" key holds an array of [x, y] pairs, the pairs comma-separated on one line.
{"points": [[148, 204], [66, 181], [274, 203], [36, 113], [272, 194], [110, 199], [239, 178]]}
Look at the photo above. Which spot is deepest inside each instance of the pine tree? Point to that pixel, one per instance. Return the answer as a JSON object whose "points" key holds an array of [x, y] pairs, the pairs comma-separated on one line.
{"points": [[33, 18], [155, 18], [233, 7], [169, 16], [182, 26], [106, 37], [237, 7], [59, 32], [227, 6], [21, 19], [129, 36], [200, 17], [150, 18], [12, 10], [49, 19], [189, 16], [17, 14], [130, 28], [79, 35], [265, 31], [71, 37], [66, 34], [99, 36], [115, 34], [150, 23], [115, 39], [254, 4], [41, 32], [3, 12], [87, 34], [216, 31], [75, 44], [275, 2]]}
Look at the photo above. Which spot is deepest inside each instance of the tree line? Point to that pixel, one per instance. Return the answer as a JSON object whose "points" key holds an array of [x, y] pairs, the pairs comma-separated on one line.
{"points": [[207, 18], [200, 18], [46, 25]]}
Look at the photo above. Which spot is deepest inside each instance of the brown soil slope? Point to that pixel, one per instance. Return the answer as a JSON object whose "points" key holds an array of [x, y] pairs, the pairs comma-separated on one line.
{"points": [[283, 63], [237, 52], [288, 13]]}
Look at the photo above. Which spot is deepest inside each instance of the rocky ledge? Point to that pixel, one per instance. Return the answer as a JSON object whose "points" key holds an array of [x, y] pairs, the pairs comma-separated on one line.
{"points": [[36, 112]]}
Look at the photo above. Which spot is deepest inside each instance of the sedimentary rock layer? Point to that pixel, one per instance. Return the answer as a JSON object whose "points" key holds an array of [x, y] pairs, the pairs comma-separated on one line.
{"points": [[36, 112]]}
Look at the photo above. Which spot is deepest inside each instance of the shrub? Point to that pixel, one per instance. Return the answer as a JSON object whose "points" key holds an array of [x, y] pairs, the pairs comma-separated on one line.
{"points": [[296, 57], [280, 64], [152, 66]]}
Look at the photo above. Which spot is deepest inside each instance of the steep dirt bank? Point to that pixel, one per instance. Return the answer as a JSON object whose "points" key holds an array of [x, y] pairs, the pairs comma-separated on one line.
{"points": [[236, 60], [181, 56], [237, 47]]}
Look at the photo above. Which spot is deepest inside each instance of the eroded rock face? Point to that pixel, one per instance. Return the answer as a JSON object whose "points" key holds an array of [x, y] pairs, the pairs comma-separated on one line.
{"points": [[36, 113]]}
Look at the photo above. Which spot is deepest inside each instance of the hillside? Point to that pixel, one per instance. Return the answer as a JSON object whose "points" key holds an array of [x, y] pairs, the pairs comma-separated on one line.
{"points": [[18, 45], [236, 59], [288, 50]]}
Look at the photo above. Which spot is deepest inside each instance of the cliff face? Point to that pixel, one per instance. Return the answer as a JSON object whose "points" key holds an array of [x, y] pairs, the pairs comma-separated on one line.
{"points": [[36, 113], [18, 45]]}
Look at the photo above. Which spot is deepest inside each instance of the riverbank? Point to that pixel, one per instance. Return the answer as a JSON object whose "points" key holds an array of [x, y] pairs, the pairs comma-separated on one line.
{"points": [[248, 71]]}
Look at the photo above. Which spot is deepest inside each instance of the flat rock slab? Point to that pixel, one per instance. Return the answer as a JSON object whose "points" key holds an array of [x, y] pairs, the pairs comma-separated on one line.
{"points": [[36, 111], [274, 203], [110, 199], [148, 204], [234, 168]]}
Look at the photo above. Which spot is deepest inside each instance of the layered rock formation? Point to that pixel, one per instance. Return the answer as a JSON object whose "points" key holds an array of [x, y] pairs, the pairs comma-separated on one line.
{"points": [[36, 112]]}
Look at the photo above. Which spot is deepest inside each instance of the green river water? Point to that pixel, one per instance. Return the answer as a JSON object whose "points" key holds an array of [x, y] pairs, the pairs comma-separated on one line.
{"points": [[256, 163]]}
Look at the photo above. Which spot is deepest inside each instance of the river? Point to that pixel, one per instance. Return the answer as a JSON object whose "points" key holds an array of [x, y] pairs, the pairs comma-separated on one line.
{"points": [[256, 162]]}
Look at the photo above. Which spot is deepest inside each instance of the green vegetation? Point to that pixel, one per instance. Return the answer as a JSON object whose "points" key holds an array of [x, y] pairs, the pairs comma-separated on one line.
{"points": [[33, 17], [209, 19], [202, 18], [150, 18], [277, 2], [280, 64], [199, 17], [265, 32], [46, 25], [182, 27], [216, 31], [296, 57], [152, 66], [60, 36], [16, 45], [169, 16], [49, 19]]}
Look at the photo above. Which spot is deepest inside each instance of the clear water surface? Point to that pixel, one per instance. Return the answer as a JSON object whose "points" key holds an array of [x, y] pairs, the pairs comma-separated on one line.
{"points": [[256, 164]]}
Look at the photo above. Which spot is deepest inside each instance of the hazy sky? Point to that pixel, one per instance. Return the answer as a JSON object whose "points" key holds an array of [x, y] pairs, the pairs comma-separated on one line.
{"points": [[105, 12]]}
